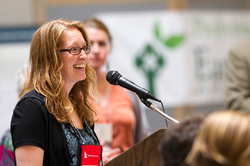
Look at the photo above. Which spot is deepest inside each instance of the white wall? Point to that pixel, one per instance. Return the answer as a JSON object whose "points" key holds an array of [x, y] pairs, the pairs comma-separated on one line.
{"points": [[15, 12], [12, 57]]}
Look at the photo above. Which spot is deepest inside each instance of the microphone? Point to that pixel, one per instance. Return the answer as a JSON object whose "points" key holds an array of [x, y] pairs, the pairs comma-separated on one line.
{"points": [[115, 78]]}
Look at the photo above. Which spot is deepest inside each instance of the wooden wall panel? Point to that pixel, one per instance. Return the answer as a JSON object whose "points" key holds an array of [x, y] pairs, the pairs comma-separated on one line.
{"points": [[41, 7], [99, 2], [176, 4], [248, 4]]}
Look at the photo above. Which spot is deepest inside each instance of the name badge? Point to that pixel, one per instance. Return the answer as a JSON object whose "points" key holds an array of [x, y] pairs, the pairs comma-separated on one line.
{"points": [[91, 155]]}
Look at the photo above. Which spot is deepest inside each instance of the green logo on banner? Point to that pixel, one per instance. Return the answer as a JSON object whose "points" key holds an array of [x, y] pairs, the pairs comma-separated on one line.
{"points": [[169, 42], [145, 62], [150, 61]]}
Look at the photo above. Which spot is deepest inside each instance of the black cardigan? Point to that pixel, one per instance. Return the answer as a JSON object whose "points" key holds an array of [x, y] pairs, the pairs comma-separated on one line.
{"points": [[32, 124]]}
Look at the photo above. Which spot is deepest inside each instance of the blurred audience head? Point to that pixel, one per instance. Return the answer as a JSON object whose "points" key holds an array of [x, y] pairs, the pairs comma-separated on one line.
{"points": [[97, 24], [179, 139], [101, 42], [223, 140]]}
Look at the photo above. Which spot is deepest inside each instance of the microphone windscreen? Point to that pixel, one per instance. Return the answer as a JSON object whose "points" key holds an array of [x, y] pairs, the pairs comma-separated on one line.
{"points": [[113, 76]]}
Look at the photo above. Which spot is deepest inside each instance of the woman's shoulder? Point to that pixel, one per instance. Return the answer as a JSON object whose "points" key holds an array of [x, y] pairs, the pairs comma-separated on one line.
{"points": [[32, 95], [118, 90], [240, 51], [31, 100], [31, 105], [120, 95]]}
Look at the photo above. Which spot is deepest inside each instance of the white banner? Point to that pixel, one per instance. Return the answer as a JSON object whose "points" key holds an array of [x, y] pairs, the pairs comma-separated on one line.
{"points": [[179, 56]]}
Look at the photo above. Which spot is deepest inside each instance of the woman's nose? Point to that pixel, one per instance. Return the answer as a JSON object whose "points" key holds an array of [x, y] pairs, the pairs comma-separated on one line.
{"points": [[94, 47], [83, 55]]}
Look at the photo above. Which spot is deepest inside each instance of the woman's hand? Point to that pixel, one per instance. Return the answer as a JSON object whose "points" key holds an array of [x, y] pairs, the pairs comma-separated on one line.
{"points": [[108, 155]]}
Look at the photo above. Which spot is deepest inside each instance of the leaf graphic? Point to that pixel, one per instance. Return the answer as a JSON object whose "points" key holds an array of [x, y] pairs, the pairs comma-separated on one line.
{"points": [[174, 41], [157, 30]]}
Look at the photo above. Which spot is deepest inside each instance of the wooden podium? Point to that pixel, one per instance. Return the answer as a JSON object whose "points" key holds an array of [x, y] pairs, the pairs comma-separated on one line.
{"points": [[144, 153]]}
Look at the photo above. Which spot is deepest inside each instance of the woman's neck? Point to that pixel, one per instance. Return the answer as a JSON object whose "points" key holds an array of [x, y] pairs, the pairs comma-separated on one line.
{"points": [[102, 84], [103, 87], [67, 88]]}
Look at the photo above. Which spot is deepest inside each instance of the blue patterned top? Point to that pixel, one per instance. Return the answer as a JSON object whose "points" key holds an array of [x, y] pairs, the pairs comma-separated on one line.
{"points": [[72, 135]]}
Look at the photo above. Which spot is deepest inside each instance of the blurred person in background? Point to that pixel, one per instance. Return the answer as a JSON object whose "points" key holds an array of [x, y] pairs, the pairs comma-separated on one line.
{"points": [[179, 140], [6, 150], [238, 78], [6, 147], [223, 140], [53, 122], [115, 106]]}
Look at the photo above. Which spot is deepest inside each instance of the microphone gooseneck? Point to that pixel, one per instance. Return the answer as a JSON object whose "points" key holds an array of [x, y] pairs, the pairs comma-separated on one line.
{"points": [[115, 78]]}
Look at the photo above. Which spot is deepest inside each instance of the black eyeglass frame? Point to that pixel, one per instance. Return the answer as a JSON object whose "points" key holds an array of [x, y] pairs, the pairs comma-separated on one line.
{"points": [[85, 49]]}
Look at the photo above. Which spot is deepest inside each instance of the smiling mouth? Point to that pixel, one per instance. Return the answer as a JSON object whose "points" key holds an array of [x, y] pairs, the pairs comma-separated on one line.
{"points": [[79, 66]]}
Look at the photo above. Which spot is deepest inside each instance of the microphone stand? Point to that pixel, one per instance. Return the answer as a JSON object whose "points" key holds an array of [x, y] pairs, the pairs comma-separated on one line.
{"points": [[154, 108]]}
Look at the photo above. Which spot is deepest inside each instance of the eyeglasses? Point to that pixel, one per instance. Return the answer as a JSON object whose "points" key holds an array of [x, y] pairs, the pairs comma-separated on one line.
{"points": [[77, 50]]}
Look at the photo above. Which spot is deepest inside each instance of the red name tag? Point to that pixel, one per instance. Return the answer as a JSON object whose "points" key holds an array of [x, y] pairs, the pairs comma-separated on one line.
{"points": [[91, 155]]}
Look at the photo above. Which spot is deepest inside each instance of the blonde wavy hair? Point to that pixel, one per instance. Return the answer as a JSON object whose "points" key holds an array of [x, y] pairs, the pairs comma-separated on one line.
{"points": [[223, 140], [45, 75]]}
